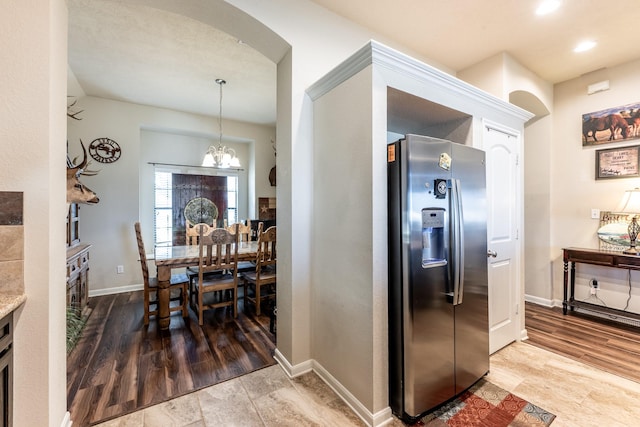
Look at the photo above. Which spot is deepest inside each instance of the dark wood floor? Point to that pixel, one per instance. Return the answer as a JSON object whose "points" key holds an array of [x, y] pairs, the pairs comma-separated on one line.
{"points": [[119, 365], [607, 345]]}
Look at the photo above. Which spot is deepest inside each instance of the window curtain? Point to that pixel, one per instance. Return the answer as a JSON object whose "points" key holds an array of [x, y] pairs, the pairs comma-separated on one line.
{"points": [[188, 187]]}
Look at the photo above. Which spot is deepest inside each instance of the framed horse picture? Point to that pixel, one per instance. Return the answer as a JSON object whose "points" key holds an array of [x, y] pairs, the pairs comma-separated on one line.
{"points": [[611, 125], [621, 162]]}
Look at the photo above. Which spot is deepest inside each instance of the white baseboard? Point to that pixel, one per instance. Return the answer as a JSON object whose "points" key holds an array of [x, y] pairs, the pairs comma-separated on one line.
{"points": [[378, 419], [538, 300], [557, 303], [292, 371], [66, 421], [119, 290], [543, 301]]}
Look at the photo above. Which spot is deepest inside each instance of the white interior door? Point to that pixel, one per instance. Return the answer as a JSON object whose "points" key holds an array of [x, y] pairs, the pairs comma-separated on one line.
{"points": [[502, 149]]}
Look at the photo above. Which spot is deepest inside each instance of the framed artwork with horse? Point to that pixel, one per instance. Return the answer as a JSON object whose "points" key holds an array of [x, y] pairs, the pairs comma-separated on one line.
{"points": [[621, 162], [611, 125]]}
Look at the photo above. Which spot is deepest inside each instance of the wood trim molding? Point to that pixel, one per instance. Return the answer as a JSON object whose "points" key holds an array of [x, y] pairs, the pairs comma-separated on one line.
{"points": [[375, 53]]}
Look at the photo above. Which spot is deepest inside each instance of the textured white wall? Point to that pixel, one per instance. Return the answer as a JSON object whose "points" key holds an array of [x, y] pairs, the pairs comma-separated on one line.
{"points": [[342, 258], [537, 209], [501, 75], [125, 187], [574, 189], [32, 135]]}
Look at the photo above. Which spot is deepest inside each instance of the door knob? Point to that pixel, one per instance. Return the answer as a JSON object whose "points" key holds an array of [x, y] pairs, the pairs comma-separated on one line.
{"points": [[491, 253]]}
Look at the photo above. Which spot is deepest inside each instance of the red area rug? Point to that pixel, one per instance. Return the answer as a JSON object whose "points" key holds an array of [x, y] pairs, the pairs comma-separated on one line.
{"points": [[487, 405]]}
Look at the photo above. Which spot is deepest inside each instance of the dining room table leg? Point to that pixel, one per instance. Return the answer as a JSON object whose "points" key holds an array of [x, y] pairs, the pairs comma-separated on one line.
{"points": [[164, 279]]}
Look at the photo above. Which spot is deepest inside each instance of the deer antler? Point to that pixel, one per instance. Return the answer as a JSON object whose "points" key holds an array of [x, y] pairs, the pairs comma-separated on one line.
{"points": [[80, 169], [85, 158], [73, 115]]}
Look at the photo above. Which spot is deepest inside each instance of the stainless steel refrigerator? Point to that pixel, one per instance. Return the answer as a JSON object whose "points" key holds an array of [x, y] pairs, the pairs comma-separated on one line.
{"points": [[438, 306]]}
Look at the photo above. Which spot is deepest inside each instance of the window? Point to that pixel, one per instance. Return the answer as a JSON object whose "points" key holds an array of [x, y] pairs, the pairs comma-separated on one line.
{"points": [[163, 230], [232, 199], [169, 230]]}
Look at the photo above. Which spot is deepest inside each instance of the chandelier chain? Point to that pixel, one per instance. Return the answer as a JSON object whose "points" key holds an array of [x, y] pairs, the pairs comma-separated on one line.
{"points": [[222, 156], [220, 82]]}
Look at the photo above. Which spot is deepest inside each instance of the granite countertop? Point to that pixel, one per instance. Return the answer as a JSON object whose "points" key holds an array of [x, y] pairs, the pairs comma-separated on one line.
{"points": [[9, 303]]}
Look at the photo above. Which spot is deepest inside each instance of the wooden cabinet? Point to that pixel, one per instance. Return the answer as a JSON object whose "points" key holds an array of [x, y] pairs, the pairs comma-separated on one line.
{"points": [[78, 276], [6, 370], [77, 262], [73, 225]]}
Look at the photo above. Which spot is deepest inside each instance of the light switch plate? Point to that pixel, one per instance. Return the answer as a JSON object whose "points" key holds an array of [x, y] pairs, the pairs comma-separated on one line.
{"points": [[595, 213]]}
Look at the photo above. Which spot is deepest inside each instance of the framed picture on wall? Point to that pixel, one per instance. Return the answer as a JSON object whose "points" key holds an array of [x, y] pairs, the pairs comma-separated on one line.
{"points": [[621, 162], [613, 124], [266, 208]]}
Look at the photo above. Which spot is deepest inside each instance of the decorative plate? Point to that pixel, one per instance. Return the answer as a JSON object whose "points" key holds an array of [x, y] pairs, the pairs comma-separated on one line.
{"points": [[614, 233], [201, 210], [104, 150]]}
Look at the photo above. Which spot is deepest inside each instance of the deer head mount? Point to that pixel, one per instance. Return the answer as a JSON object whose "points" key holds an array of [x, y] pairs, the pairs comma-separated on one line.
{"points": [[77, 192]]}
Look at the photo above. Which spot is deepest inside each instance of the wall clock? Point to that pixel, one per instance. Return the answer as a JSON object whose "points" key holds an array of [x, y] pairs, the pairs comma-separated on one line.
{"points": [[104, 150]]}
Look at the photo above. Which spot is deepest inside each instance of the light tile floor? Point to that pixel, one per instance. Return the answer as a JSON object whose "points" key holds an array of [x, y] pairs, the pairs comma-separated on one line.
{"points": [[577, 394]]}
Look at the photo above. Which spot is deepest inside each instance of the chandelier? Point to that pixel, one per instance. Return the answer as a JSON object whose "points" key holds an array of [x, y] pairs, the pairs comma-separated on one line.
{"points": [[220, 156]]}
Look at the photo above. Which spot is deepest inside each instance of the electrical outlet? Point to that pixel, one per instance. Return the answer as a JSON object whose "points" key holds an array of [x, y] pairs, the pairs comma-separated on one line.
{"points": [[595, 213], [594, 283], [120, 269]]}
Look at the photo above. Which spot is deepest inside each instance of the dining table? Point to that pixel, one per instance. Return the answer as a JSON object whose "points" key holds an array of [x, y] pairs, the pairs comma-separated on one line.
{"points": [[169, 257]]}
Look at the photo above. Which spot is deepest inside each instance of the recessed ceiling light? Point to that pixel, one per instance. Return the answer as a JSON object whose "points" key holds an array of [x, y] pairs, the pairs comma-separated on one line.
{"points": [[548, 6], [584, 46]]}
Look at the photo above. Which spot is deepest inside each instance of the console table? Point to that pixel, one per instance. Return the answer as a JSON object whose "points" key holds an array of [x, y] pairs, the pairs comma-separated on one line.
{"points": [[594, 257]]}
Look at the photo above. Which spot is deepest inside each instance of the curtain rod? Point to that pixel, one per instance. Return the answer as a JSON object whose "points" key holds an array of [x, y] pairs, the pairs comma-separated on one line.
{"points": [[194, 166]]}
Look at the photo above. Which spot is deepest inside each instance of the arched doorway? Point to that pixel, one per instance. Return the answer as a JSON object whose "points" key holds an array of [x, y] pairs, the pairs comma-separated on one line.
{"points": [[246, 29]]}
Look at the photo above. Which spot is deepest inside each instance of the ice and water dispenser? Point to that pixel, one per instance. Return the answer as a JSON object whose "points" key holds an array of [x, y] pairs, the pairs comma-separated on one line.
{"points": [[433, 246]]}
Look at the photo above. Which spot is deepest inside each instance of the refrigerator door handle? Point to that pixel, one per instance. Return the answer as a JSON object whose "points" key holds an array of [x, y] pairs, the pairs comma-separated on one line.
{"points": [[457, 230]]}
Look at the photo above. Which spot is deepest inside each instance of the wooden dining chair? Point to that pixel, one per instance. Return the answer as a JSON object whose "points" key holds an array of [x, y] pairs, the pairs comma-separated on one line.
{"points": [[245, 235], [264, 273], [218, 254], [243, 229], [193, 232], [177, 286]]}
